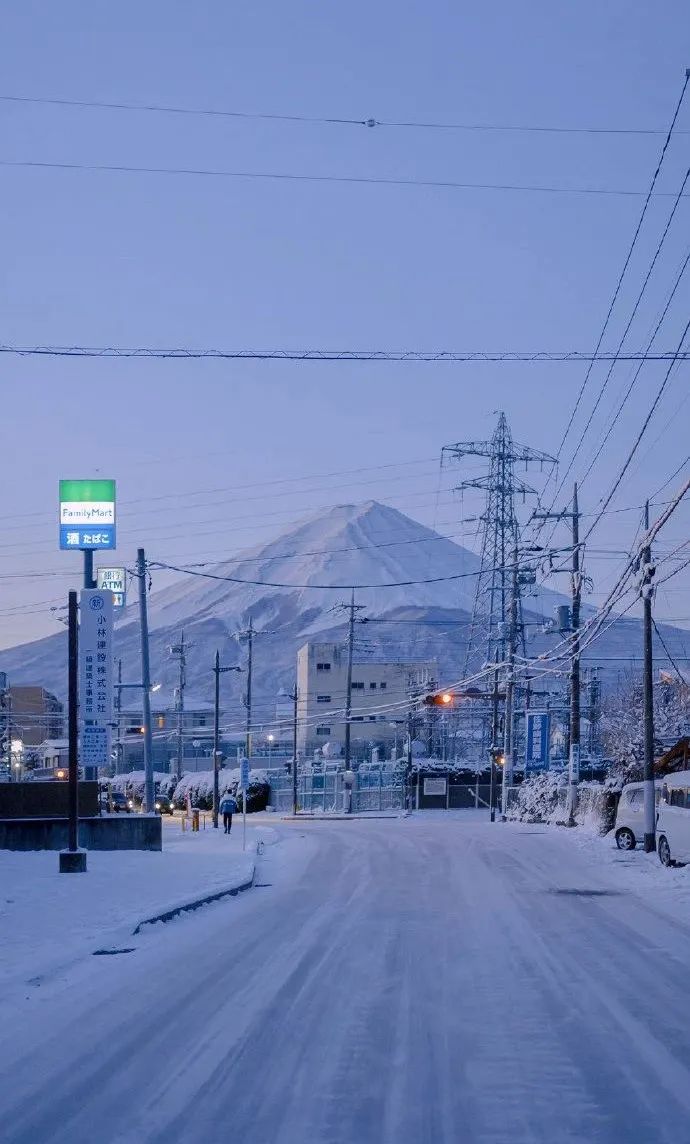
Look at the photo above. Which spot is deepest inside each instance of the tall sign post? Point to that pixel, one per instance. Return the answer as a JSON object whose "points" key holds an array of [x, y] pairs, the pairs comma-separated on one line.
{"points": [[73, 860]]}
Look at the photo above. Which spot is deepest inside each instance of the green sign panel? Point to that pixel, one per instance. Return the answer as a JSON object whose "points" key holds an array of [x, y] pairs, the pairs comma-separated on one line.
{"points": [[87, 514]]}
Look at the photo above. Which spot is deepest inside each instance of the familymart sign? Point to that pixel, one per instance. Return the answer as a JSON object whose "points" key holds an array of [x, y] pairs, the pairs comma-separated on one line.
{"points": [[87, 514]]}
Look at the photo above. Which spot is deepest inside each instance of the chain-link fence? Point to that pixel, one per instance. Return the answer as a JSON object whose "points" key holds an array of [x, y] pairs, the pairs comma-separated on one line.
{"points": [[324, 792]]}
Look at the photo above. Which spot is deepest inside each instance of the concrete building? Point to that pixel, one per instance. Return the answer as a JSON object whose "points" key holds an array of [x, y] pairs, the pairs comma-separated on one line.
{"points": [[34, 713], [380, 692]]}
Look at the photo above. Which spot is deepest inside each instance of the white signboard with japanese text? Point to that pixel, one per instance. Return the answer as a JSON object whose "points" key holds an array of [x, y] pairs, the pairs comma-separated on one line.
{"points": [[435, 787], [113, 580], [95, 746], [96, 656]]}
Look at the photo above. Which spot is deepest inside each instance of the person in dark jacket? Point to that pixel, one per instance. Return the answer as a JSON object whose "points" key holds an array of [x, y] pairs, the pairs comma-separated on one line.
{"points": [[227, 808]]}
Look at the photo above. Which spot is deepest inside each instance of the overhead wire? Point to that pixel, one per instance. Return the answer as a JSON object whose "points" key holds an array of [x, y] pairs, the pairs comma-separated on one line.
{"points": [[621, 276], [325, 120], [348, 180]]}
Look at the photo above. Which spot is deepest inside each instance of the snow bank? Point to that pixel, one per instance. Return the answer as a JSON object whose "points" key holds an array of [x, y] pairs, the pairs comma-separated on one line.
{"points": [[48, 920]]}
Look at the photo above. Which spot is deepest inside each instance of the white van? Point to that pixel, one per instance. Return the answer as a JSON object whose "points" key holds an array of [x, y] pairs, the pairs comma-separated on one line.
{"points": [[673, 823], [629, 828]]}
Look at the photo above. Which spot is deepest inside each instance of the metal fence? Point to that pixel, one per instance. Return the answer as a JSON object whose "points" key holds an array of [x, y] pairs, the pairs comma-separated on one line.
{"points": [[325, 792]]}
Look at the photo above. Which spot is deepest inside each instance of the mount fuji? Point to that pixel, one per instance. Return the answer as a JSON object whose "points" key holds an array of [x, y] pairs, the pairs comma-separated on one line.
{"points": [[406, 574]]}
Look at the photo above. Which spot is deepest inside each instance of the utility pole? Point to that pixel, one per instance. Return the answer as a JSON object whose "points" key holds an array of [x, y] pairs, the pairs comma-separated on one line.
{"points": [[574, 755], [250, 654], [510, 689], [647, 592], [576, 589], [294, 698], [179, 650], [493, 748], [217, 753], [348, 685], [145, 683], [89, 581]]}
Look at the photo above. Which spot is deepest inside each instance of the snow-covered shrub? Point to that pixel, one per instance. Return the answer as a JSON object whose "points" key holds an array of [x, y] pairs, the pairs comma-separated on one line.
{"points": [[133, 784], [541, 798], [199, 786], [544, 798]]}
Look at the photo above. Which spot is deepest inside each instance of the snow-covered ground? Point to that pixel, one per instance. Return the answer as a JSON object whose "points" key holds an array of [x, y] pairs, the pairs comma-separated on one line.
{"points": [[425, 980], [47, 919]]}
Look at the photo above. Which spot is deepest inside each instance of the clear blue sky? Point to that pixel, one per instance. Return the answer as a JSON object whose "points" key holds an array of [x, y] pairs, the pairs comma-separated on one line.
{"points": [[98, 258]]}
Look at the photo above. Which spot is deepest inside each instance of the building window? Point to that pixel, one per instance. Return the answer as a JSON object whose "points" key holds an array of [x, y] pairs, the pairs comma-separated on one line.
{"points": [[161, 722], [357, 686], [323, 730], [323, 667], [357, 718], [372, 687], [372, 718], [199, 720], [383, 686], [323, 698]]}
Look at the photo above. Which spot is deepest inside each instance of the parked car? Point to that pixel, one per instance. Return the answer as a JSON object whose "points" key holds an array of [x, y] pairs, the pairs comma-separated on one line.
{"points": [[673, 820], [629, 827], [119, 803]]}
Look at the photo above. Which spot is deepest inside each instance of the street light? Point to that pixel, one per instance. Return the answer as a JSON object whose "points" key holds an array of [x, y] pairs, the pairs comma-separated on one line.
{"points": [[217, 671], [270, 748]]}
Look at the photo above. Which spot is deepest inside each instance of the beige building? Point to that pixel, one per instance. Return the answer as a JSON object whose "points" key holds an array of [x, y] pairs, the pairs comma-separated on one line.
{"points": [[35, 714], [380, 693]]}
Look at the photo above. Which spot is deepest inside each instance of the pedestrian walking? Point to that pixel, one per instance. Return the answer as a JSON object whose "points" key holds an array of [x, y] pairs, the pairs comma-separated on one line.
{"points": [[228, 806]]}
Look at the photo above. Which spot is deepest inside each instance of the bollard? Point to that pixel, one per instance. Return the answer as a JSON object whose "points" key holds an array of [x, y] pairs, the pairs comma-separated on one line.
{"points": [[183, 820], [195, 818]]}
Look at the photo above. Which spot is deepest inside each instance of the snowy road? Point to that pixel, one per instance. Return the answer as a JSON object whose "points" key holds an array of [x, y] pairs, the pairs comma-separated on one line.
{"points": [[433, 980]]}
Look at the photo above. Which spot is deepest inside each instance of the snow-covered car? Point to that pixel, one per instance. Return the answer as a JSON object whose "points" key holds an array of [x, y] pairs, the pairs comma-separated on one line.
{"points": [[673, 820], [629, 827]]}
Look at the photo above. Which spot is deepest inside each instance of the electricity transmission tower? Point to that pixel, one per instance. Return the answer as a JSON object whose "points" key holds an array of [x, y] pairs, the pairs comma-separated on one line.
{"points": [[495, 620], [500, 534]]}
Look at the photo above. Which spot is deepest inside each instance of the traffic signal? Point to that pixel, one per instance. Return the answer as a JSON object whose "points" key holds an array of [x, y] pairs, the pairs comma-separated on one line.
{"points": [[439, 699]]}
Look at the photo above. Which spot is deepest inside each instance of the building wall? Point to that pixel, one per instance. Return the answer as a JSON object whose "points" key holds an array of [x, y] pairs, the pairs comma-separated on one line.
{"points": [[35, 714], [322, 688]]}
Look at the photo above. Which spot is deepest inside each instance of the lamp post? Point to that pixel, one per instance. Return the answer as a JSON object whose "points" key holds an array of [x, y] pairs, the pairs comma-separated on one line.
{"points": [[217, 671], [270, 749]]}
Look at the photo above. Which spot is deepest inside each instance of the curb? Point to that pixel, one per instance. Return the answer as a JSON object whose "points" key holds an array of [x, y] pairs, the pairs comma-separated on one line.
{"points": [[196, 904]]}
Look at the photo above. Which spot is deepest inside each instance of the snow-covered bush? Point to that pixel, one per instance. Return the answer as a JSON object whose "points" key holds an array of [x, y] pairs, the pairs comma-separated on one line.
{"points": [[541, 798], [133, 784], [199, 786], [544, 798]]}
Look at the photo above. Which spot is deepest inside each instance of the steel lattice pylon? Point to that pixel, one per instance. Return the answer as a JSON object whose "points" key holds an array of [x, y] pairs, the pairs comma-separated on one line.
{"points": [[500, 536]]}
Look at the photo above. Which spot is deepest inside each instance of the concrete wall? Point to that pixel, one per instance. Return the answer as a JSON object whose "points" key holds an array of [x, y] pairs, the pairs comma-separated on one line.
{"points": [[107, 832], [45, 799]]}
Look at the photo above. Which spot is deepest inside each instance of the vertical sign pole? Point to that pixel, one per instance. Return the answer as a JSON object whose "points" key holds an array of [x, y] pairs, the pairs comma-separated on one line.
{"points": [[72, 860], [89, 581], [145, 682]]}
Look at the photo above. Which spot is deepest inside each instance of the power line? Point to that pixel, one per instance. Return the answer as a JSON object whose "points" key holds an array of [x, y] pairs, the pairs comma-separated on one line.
{"points": [[321, 355], [670, 657], [625, 266], [362, 180], [321, 587], [640, 435], [329, 120], [636, 374]]}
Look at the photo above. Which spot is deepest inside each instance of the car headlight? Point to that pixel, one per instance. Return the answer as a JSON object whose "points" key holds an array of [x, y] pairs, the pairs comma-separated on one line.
{"points": [[130, 804]]}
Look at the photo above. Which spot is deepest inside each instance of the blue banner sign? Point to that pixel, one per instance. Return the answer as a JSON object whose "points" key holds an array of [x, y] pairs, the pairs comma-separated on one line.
{"points": [[538, 741]]}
